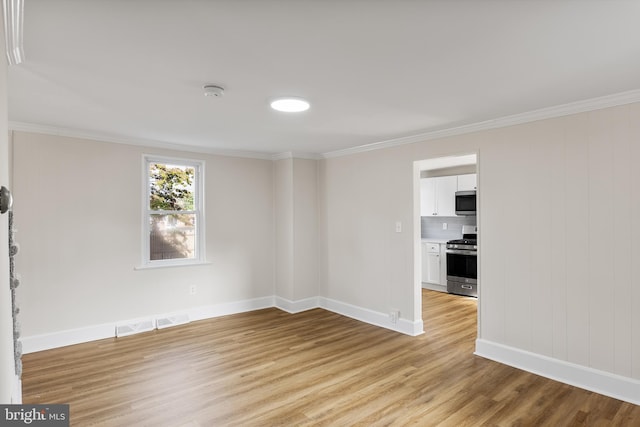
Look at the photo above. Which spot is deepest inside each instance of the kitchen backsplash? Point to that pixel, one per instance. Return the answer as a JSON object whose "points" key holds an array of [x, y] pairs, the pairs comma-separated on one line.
{"points": [[432, 226]]}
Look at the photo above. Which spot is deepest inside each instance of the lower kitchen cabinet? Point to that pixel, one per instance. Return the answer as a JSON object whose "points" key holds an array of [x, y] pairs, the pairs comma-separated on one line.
{"points": [[434, 267]]}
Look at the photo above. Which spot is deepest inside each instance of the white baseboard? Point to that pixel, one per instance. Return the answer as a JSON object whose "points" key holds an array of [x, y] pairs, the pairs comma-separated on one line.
{"points": [[16, 391], [297, 306], [372, 317], [601, 382], [34, 343]]}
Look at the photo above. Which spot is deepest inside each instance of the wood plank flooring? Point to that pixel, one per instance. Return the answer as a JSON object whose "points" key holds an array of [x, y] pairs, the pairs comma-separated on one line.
{"points": [[317, 368]]}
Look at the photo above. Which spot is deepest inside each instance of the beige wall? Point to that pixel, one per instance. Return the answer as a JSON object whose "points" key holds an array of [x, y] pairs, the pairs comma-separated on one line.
{"points": [[7, 369], [78, 210], [563, 190], [296, 201], [569, 293], [305, 230], [283, 199]]}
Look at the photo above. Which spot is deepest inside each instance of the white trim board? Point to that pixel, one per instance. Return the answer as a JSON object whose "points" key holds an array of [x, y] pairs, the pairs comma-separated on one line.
{"points": [[583, 106], [34, 343], [129, 140], [297, 306], [372, 317], [600, 382], [16, 391]]}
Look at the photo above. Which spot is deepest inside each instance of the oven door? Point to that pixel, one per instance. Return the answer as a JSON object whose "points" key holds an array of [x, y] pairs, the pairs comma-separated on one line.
{"points": [[462, 265]]}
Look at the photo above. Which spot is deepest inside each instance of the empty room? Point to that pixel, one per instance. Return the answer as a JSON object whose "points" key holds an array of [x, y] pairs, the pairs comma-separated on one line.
{"points": [[320, 213]]}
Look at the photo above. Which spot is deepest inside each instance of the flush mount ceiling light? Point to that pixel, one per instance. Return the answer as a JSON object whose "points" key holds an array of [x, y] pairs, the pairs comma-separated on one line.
{"points": [[213, 90], [290, 105], [13, 19]]}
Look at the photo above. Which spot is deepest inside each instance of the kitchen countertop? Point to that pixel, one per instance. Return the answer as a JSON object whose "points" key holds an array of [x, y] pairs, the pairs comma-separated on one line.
{"points": [[429, 240]]}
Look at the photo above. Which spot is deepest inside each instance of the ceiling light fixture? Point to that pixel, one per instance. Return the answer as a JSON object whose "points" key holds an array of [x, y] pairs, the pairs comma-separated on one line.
{"points": [[213, 90], [13, 20], [290, 105]]}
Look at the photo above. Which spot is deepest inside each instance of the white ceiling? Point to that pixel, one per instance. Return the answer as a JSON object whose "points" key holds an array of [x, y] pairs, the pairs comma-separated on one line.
{"points": [[373, 70]]}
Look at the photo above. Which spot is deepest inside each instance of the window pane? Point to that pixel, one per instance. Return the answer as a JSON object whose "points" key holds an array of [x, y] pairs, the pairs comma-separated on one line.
{"points": [[172, 236], [171, 187]]}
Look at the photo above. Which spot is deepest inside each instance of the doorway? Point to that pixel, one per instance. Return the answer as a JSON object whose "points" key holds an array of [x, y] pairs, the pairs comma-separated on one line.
{"points": [[435, 225]]}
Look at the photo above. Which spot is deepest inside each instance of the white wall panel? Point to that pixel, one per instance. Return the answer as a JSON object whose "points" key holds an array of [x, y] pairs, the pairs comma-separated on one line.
{"points": [[492, 304], [515, 191], [621, 233], [634, 231], [540, 191], [577, 237], [558, 245], [601, 244]]}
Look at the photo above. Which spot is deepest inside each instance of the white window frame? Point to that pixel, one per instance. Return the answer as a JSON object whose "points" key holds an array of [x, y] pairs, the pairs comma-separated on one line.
{"points": [[199, 256]]}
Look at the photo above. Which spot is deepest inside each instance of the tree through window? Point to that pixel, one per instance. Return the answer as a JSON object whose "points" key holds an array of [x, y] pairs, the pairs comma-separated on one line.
{"points": [[173, 211]]}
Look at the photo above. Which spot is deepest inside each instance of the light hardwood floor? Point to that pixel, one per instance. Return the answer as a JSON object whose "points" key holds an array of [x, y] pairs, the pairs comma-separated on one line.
{"points": [[271, 368]]}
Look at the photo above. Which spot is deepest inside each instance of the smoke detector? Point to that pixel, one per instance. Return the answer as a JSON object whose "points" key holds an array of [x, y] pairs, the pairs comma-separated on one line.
{"points": [[213, 90]]}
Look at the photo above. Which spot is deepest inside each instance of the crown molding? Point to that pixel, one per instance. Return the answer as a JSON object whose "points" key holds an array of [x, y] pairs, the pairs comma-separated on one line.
{"points": [[296, 155], [119, 139], [516, 119]]}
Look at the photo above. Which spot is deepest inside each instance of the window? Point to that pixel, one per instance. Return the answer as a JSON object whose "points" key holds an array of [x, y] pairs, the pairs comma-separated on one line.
{"points": [[173, 212]]}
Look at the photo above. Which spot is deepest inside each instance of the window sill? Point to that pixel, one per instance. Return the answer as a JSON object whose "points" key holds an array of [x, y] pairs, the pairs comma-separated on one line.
{"points": [[182, 264]]}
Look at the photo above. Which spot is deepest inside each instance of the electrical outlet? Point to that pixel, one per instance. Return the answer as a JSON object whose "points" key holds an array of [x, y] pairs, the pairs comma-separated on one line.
{"points": [[444, 225], [394, 315], [193, 289]]}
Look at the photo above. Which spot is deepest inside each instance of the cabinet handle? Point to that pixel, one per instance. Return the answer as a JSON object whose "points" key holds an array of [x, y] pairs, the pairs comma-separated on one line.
{"points": [[435, 213]]}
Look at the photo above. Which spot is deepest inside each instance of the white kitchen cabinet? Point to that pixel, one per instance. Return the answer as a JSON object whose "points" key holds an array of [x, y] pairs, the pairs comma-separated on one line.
{"points": [[431, 263], [437, 196], [434, 266], [468, 182]]}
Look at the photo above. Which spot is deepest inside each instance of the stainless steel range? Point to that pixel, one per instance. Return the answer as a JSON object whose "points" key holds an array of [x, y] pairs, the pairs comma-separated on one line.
{"points": [[462, 264]]}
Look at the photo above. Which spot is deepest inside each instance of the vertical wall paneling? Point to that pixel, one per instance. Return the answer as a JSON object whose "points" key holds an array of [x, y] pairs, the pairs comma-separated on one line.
{"points": [[600, 257], [577, 236], [540, 190], [621, 248], [516, 181], [634, 232], [491, 256], [558, 245]]}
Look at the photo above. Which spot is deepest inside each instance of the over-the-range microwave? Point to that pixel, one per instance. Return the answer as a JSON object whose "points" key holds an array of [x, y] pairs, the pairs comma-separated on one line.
{"points": [[465, 202]]}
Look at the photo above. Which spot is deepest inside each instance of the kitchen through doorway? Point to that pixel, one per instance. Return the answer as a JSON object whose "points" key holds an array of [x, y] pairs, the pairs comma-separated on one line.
{"points": [[446, 227]]}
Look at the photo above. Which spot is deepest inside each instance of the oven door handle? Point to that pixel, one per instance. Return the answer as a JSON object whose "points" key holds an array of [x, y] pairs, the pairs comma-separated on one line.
{"points": [[462, 252]]}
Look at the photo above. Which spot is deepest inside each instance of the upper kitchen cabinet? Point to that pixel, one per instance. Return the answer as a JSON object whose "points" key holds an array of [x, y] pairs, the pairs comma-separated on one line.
{"points": [[468, 182], [437, 196]]}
